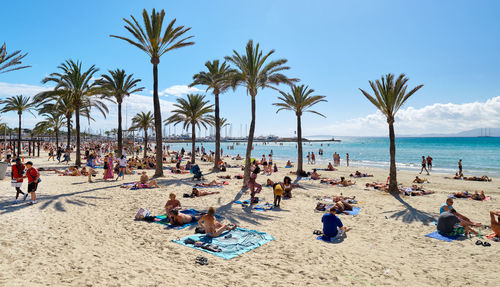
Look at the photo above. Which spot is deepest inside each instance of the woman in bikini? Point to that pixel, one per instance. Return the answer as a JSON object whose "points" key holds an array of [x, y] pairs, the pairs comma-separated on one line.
{"points": [[287, 187], [197, 193], [212, 227]]}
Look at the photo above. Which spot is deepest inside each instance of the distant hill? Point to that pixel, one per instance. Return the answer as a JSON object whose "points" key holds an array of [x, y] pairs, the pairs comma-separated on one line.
{"points": [[493, 132]]}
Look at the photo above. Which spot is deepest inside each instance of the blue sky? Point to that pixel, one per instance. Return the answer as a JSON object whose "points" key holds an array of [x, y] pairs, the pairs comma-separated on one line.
{"points": [[335, 47]]}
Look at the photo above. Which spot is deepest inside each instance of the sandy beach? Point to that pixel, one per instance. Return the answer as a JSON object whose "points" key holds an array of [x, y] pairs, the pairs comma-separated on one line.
{"points": [[83, 234]]}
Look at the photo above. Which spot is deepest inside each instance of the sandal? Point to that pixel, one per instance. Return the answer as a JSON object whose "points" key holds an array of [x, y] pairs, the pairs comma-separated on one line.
{"points": [[486, 244], [479, 242], [201, 260], [317, 232]]}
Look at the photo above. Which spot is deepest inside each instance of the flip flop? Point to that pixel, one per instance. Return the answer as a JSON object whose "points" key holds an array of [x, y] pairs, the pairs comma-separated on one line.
{"points": [[317, 232], [486, 244], [479, 242]]}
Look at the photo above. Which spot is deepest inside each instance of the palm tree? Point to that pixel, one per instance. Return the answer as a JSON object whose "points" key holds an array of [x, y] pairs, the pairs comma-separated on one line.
{"points": [[118, 85], [58, 100], [76, 84], [389, 97], [10, 62], [217, 78], [18, 104], [193, 113], [143, 121], [254, 72], [155, 43], [300, 100], [53, 121]]}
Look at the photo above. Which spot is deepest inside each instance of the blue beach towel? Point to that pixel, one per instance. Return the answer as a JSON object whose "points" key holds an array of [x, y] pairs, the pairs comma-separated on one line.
{"points": [[438, 236], [354, 211], [232, 243]]}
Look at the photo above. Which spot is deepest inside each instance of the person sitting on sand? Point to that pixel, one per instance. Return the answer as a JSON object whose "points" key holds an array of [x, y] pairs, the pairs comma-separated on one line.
{"points": [[330, 167], [269, 182], [287, 187], [144, 182], [420, 180], [449, 224], [238, 157], [197, 193], [179, 218], [172, 204], [448, 207], [332, 225], [212, 227], [345, 182], [314, 175], [495, 224], [478, 196], [288, 164]]}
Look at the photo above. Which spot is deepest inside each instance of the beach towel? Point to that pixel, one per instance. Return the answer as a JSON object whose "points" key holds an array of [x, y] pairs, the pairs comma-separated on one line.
{"points": [[438, 236], [491, 236], [162, 219], [127, 185], [261, 207], [355, 210], [231, 243]]}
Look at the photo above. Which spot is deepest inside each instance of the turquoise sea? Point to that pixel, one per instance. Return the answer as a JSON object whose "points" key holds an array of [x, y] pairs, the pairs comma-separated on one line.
{"points": [[479, 155]]}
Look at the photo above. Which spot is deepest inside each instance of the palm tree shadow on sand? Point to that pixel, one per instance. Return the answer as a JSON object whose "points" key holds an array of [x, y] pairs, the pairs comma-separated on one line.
{"points": [[410, 214]]}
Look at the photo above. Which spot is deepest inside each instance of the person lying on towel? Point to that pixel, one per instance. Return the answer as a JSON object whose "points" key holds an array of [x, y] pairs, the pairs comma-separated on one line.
{"points": [[144, 182], [179, 218]]}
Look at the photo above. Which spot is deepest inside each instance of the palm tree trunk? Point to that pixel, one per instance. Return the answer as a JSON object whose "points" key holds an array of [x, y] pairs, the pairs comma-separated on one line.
{"points": [[78, 160], [19, 137], [57, 137], [158, 123], [393, 183], [299, 145], [249, 143], [217, 133], [193, 142], [145, 142], [68, 119], [120, 144]]}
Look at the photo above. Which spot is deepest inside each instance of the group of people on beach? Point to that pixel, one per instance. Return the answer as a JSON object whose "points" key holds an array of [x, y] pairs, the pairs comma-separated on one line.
{"points": [[19, 172]]}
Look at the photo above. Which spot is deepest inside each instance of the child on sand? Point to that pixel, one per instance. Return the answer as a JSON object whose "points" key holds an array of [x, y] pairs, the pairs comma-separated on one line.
{"points": [[278, 192], [33, 180]]}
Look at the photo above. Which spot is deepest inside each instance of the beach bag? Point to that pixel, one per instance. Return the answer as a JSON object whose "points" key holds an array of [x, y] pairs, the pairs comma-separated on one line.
{"points": [[142, 213]]}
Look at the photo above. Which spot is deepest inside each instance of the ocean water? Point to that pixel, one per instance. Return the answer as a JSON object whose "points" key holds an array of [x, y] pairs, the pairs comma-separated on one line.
{"points": [[479, 155]]}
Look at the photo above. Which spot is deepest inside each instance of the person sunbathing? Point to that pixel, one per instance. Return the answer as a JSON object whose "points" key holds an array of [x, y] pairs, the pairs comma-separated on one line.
{"points": [[475, 178], [71, 171], [330, 167], [212, 183], [144, 182], [224, 176], [314, 175], [342, 207], [358, 174], [84, 171], [172, 204], [212, 227], [345, 182], [197, 193], [478, 196], [415, 190], [344, 198], [420, 180], [179, 218], [462, 194], [332, 181], [495, 224], [377, 185]]}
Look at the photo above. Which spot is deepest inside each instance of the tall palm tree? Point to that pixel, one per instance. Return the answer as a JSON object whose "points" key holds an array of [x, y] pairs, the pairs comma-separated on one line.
{"points": [[254, 72], [300, 100], [118, 85], [389, 97], [217, 78], [150, 39], [17, 104], [10, 62], [77, 84], [193, 113], [143, 121], [53, 121]]}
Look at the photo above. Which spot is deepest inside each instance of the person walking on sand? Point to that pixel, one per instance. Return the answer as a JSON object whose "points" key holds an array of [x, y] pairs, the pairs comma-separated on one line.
{"points": [[33, 180], [313, 158], [429, 162], [460, 168], [308, 158], [347, 159], [90, 165], [424, 163], [17, 178]]}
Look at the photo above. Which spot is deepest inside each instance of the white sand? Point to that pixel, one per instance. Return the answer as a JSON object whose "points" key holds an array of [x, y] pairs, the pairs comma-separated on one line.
{"points": [[85, 234]]}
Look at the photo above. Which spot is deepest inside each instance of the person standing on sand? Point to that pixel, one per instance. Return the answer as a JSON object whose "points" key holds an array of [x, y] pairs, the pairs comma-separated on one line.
{"points": [[308, 158], [424, 163], [313, 158], [17, 178], [429, 162], [33, 180], [460, 168], [347, 159]]}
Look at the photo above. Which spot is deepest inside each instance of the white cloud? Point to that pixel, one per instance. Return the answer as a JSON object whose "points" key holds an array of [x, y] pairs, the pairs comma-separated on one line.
{"points": [[177, 91], [9, 89], [436, 118]]}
